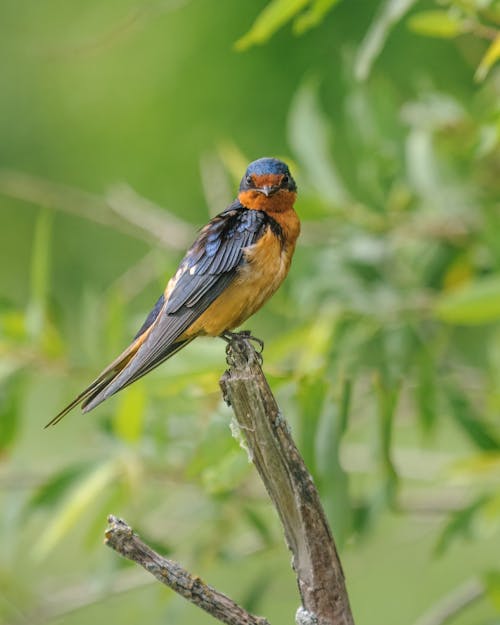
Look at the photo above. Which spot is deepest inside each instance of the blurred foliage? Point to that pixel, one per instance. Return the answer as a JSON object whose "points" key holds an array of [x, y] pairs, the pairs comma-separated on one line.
{"points": [[383, 346]]}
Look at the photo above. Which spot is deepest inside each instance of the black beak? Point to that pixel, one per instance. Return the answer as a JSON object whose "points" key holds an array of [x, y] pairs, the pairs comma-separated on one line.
{"points": [[268, 189]]}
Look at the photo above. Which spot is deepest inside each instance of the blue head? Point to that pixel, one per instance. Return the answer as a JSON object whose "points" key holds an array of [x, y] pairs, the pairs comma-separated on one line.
{"points": [[268, 176]]}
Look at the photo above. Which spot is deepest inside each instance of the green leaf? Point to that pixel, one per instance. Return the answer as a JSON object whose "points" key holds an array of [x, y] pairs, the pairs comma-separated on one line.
{"points": [[387, 398], [260, 524], [313, 16], [310, 135], [10, 399], [214, 445], [275, 15], [40, 274], [491, 581], [466, 417], [345, 405], [256, 590], [332, 480], [51, 492], [129, 417], [460, 524], [311, 394], [490, 57], [442, 24], [476, 303], [227, 474], [425, 390], [388, 15], [79, 500]]}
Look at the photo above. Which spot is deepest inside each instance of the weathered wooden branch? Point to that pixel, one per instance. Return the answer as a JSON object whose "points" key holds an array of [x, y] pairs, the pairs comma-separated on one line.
{"points": [[272, 450], [122, 539], [290, 486]]}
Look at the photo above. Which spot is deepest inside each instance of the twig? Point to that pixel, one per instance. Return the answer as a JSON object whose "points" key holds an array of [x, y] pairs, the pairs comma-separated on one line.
{"points": [[290, 486], [453, 603], [121, 538], [139, 219], [170, 231], [60, 604]]}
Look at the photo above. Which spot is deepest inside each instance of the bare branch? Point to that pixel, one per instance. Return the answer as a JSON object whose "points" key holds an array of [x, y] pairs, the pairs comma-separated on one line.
{"points": [[290, 486], [452, 604], [144, 214], [122, 210], [121, 538]]}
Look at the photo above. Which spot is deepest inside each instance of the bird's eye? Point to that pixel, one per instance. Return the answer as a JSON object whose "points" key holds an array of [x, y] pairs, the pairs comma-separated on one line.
{"points": [[249, 180], [285, 180]]}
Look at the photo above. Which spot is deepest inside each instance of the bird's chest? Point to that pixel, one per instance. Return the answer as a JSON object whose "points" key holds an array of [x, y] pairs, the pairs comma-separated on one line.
{"points": [[265, 266], [267, 263]]}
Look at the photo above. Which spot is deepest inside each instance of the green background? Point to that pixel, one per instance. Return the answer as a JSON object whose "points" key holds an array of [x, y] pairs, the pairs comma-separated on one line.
{"points": [[125, 125]]}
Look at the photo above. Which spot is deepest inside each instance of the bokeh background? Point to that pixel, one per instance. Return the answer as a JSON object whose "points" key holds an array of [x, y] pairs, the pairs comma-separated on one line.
{"points": [[126, 124]]}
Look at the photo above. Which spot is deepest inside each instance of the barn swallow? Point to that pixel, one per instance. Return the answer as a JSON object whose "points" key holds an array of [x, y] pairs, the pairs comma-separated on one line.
{"points": [[237, 262]]}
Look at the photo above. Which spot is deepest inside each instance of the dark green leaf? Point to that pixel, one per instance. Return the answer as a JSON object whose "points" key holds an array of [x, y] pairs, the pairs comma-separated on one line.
{"points": [[425, 391], [460, 524], [311, 394], [52, 491], [467, 418], [10, 402]]}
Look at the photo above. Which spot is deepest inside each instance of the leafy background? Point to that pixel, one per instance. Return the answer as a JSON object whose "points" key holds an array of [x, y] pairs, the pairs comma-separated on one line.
{"points": [[124, 126]]}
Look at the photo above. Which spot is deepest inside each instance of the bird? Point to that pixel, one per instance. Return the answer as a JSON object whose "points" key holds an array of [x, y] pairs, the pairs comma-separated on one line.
{"points": [[238, 260]]}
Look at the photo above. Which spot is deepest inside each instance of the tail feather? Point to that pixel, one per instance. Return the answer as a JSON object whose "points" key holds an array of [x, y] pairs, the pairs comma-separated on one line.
{"points": [[115, 377], [123, 378], [95, 387], [106, 376]]}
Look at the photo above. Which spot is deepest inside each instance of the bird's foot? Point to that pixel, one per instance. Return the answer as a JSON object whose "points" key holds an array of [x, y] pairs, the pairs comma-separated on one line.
{"points": [[244, 335]]}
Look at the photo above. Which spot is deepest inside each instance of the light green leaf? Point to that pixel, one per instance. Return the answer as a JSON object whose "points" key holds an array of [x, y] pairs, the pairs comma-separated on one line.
{"points": [[50, 492], [40, 274], [313, 16], [476, 303], [275, 15], [490, 57], [331, 478], [311, 394], [492, 583], [310, 136], [389, 14], [227, 474], [73, 508], [442, 24], [129, 417]]}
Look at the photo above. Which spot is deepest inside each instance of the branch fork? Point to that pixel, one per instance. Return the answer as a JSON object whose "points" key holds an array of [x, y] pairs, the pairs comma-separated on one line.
{"points": [[267, 436]]}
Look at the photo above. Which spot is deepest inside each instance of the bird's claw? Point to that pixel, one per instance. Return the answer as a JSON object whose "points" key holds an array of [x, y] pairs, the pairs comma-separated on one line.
{"points": [[244, 335]]}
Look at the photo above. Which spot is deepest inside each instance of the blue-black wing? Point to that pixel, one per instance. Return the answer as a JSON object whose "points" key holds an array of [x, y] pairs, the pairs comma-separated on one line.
{"points": [[208, 268]]}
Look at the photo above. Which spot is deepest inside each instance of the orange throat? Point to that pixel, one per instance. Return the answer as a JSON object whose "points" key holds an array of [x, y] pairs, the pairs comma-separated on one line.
{"points": [[280, 202]]}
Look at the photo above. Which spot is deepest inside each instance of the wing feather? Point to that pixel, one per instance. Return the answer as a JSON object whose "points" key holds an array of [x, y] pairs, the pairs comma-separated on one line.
{"points": [[210, 265]]}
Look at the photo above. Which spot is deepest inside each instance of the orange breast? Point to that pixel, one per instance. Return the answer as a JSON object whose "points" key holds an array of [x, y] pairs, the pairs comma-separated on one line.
{"points": [[267, 265]]}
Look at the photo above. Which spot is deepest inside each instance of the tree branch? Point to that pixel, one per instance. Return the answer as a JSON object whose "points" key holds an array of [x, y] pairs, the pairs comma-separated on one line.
{"points": [[121, 538], [290, 486], [453, 603], [123, 209]]}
